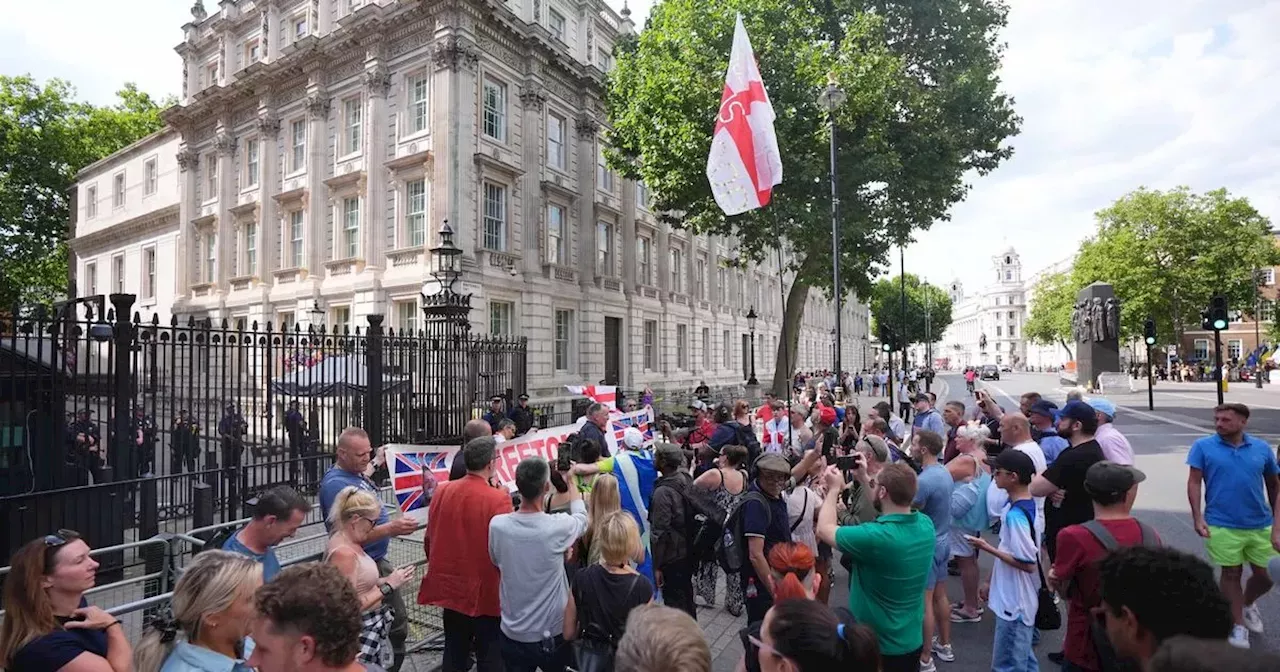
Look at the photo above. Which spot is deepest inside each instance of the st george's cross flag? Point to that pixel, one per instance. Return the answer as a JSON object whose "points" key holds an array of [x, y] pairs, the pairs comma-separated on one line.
{"points": [[745, 163], [601, 394]]}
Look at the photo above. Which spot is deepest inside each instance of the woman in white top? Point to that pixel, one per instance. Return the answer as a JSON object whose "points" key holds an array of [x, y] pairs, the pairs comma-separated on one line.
{"points": [[353, 516]]}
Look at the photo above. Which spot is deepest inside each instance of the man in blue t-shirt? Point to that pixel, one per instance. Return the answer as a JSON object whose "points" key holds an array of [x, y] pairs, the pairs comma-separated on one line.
{"points": [[933, 499], [277, 515], [354, 455], [764, 523], [1232, 468]]}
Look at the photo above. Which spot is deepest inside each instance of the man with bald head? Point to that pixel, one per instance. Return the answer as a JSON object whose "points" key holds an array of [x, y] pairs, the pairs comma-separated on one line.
{"points": [[474, 429], [1015, 431]]}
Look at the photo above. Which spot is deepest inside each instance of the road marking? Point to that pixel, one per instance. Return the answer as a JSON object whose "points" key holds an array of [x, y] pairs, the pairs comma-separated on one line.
{"points": [[1188, 396]]}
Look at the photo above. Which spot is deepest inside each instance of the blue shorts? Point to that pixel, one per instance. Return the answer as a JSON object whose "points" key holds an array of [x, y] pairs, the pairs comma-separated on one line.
{"points": [[938, 570]]}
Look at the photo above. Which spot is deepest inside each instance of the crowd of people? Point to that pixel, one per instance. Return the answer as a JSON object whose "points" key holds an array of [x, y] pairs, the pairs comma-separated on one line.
{"points": [[596, 562]]}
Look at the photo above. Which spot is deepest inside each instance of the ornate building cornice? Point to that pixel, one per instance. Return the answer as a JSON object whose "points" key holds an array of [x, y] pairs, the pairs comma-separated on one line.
{"points": [[532, 97], [269, 125], [377, 81], [586, 125], [186, 160], [318, 106], [451, 52], [224, 143]]}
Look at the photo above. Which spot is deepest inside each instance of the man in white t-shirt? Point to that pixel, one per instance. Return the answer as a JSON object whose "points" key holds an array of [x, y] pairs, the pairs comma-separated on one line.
{"points": [[777, 430], [1015, 431]]}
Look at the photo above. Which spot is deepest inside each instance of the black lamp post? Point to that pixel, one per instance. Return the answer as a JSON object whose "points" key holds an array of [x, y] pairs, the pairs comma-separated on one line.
{"points": [[831, 99], [317, 314], [751, 326], [446, 305]]}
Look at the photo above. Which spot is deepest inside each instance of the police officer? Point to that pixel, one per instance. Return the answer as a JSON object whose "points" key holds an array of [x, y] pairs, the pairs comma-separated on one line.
{"points": [[296, 428], [184, 443], [143, 431], [522, 415], [84, 449], [494, 414], [231, 429]]}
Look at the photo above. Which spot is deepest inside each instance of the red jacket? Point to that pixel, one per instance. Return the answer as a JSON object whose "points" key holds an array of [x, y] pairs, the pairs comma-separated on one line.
{"points": [[460, 576]]}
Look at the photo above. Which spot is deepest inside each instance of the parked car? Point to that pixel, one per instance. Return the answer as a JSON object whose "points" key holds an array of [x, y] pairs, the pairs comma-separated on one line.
{"points": [[989, 372], [1006, 369]]}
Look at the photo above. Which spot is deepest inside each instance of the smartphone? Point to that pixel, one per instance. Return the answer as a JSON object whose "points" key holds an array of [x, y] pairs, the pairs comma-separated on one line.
{"points": [[849, 462], [562, 459]]}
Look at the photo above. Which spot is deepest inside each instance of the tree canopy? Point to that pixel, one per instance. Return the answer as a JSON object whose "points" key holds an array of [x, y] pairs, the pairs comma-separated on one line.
{"points": [[46, 137], [923, 300], [923, 111], [1165, 253]]}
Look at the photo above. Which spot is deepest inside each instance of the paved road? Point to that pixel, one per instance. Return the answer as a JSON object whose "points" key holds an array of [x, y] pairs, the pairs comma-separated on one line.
{"points": [[1160, 440]]}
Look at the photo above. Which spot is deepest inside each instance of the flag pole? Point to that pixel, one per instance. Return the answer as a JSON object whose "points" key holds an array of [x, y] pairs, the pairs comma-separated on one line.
{"points": [[786, 344]]}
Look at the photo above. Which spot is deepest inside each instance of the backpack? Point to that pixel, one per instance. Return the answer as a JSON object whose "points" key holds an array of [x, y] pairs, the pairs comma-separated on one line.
{"points": [[218, 540], [703, 522], [731, 549], [1108, 661]]}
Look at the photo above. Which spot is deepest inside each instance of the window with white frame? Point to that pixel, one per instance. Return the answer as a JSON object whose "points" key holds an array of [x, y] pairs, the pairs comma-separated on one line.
{"points": [[91, 202], [251, 148], [117, 274], [210, 176], [682, 347], [722, 287], [644, 261], [210, 256], [604, 249], [252, 51], [604, 59], [418, 108], [1268, 276], [351, 227], [677, 270], [604, 176], [556, 24], [642, 194], [651, 345], [286, 320], [407, 316], [1200, 349], [91, 278], [352, 125], [700, 277], [740, 288], [298, 26], [500, 316], [149, 273], [117, 190], [150, 177], [1235, 349], [1266, 310], [726, 351], [563, 339], [495, 217], [295, 237], [415, 212], [298, 144], [340, 319], [495, 109], [211, 74], [706, 348], [555, 141], [556, 238], [250, 246]]}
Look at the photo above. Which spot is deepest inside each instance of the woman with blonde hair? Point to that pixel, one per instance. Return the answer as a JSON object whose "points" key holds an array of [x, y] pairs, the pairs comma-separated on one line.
{"points": [[208, 624], [352, 518], [48, 625], [604, 593], [605, 499]]}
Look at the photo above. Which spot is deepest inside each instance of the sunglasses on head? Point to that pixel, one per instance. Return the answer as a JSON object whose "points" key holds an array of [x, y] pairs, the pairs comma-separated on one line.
{"points": [[60, 538]]}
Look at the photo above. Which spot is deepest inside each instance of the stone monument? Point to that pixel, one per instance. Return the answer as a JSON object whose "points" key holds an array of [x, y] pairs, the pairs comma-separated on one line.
{"points": [[1095, 327]]}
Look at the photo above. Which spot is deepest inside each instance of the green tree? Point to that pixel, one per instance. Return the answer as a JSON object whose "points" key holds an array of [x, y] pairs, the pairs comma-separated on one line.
{"points": [[1050, 320], [46, 137], [923, 300], [1167, 252], [923, 111]]}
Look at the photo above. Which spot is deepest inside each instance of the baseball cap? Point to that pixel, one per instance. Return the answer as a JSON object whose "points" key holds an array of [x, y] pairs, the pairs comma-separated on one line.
{"points": [[773, 462], [1109, 477], [878, 447], [1077, 410], [1043, 407], [921, 397], [827, 415], [632, 438], [1103, 406], [698, 405], [1014, 461]]}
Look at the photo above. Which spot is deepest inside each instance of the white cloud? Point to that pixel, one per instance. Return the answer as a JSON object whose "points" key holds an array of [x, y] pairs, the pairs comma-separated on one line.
{"points": [[1115, 95]]}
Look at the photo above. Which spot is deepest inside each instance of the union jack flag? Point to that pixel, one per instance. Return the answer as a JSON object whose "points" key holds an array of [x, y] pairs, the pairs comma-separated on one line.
{"points": [[406, 476], [601, 394], [641, 420]]}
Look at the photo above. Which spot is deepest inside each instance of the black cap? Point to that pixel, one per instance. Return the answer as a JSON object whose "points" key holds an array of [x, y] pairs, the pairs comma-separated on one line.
{"points": [[496, 397], [523, 397], [1043, 407], [1107, 477], [1014, 461]]}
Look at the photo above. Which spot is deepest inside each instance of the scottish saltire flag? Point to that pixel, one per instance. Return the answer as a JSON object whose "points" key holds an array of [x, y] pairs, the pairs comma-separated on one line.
{"points": [[406, 475], [601, 394], [641, 420]]}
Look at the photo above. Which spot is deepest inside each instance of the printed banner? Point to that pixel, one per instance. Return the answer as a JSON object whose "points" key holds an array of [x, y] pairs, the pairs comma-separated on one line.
{"points": [[405, 463]]}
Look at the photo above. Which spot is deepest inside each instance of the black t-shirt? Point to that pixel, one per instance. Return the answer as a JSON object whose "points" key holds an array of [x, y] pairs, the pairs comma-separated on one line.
{"points": [[1067, 472], [604, 600], [54, 650], [769, 523]]}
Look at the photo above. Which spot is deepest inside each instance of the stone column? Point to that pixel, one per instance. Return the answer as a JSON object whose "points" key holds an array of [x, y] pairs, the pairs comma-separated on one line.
{"points": [[586, 128], [225, 145], [187, 243], [377, 83], [629, 237], [453, 130], [317, 201], [268, 210], [533, 139]]}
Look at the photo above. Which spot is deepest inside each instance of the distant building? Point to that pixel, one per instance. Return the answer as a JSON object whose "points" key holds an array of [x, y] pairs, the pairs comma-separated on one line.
{"points": [[1042, 356], [986, 327], [1245, 332]]}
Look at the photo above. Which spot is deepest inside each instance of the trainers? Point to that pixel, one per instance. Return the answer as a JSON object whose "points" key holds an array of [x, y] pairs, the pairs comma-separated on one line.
{"points": [[960, 606], [943, 652], [1239, 638], [929, 666], [1253, 619], [959, 616]]}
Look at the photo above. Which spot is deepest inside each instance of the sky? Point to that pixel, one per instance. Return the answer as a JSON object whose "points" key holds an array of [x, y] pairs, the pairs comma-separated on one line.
{"points": [[1114, 95]]}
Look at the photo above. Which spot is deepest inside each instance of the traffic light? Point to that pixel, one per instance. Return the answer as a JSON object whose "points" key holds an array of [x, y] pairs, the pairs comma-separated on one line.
{"points": [[886, 347], [887, 340], [1218, 312], [1149, 330], [1205, 322]]}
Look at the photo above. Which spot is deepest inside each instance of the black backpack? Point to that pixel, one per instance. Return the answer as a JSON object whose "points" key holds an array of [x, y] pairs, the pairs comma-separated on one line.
{"points": [[703, 521], [731, 548], [218, 540]]}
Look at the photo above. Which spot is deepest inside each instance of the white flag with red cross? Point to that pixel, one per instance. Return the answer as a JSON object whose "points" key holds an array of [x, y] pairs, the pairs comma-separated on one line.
{"points": [[744, 164]]}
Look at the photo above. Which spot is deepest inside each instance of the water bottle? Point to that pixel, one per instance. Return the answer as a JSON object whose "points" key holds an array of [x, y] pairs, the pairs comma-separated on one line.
{"points": [[751, 592]]}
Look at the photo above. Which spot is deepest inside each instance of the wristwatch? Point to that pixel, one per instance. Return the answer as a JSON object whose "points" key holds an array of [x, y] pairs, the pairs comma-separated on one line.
{"points": [[385, 588]]}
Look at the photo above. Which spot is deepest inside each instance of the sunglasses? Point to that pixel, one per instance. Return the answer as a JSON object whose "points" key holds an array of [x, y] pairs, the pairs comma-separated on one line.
{"points": [[755, 641], [60, 538]]}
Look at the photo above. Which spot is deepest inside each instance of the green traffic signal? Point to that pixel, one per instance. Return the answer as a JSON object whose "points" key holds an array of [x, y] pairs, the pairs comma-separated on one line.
{"points": [[884, 346], [1151, 340]]}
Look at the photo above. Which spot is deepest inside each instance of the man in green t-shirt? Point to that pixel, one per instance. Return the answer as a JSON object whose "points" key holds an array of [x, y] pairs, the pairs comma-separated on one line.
{"points": [[891, 558]]}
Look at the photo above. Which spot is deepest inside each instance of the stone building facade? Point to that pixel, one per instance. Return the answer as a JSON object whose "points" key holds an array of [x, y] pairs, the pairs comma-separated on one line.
{"points": [[320, 145], [986, 327]]}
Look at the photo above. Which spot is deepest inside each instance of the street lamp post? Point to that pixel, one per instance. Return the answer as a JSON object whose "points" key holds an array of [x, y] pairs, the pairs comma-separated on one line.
{"points": [[1258, 280], [902, 282], [831, 99], [317, 314], [751, 326]]}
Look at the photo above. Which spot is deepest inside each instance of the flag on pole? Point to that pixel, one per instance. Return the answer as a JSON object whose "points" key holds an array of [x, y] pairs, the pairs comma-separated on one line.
{"points": [[601, 394], [744, 164]]}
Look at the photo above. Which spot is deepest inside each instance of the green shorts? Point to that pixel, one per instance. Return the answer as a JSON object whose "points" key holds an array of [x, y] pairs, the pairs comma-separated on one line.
{"points": [[1229, 547]]}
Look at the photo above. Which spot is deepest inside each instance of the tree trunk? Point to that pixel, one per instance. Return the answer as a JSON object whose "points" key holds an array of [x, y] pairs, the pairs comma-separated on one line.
{"points": [[1070, 355], [788, 347]]}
